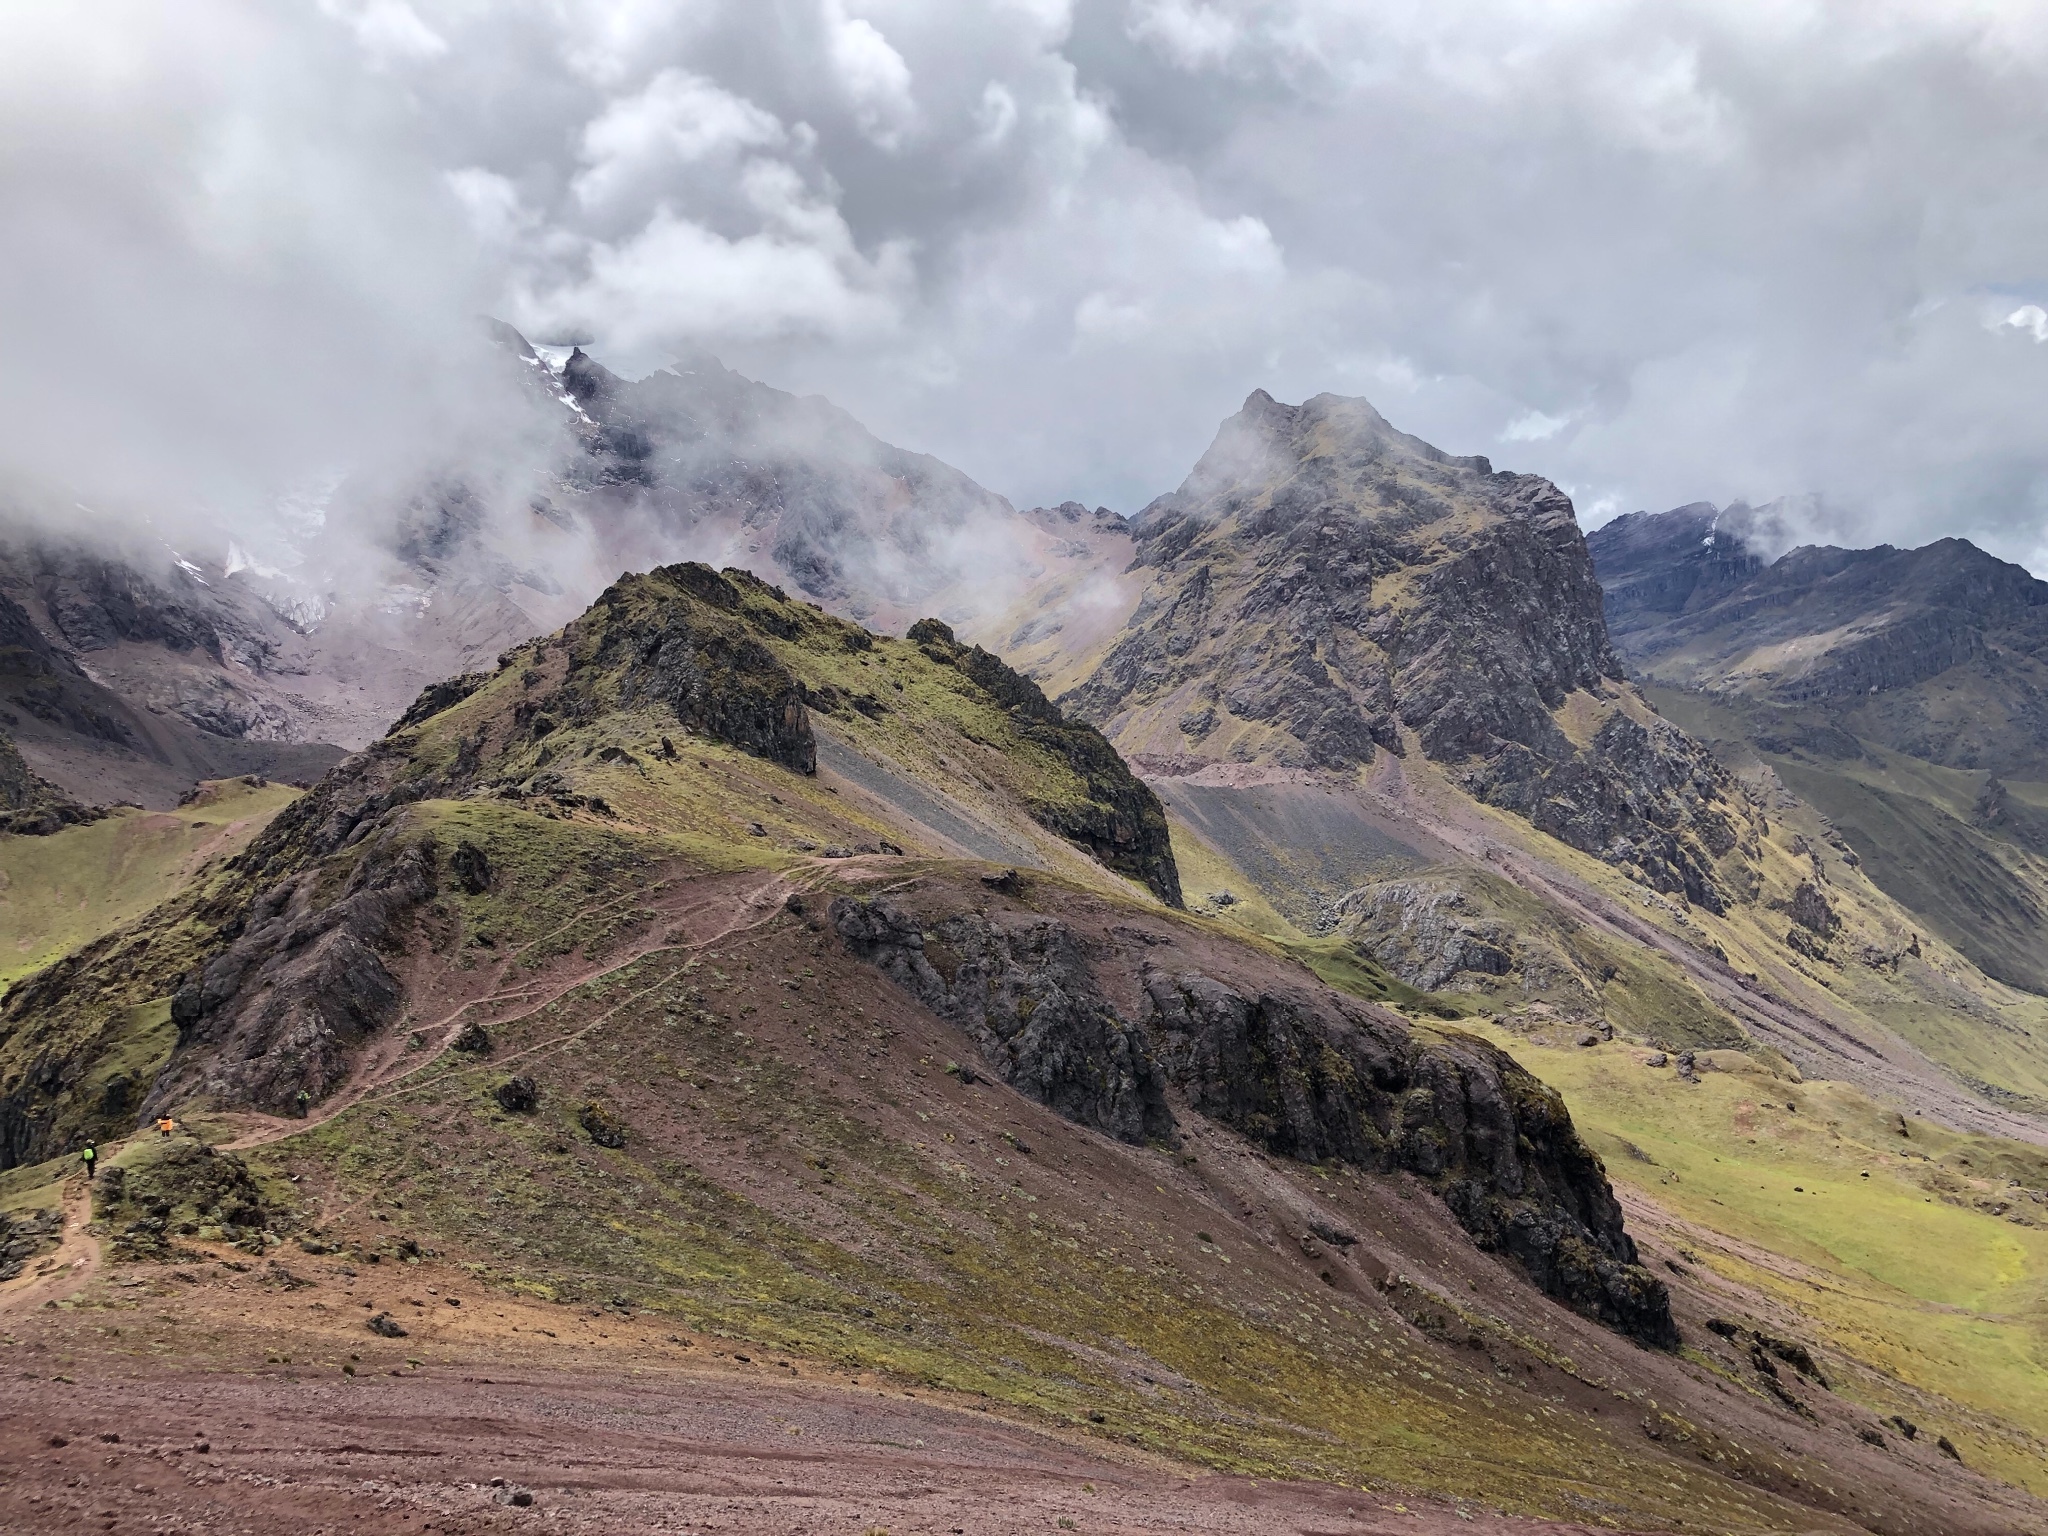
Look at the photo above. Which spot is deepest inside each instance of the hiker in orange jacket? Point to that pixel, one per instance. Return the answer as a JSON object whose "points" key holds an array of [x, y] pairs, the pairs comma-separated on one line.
{"points": [[167, 1125]]}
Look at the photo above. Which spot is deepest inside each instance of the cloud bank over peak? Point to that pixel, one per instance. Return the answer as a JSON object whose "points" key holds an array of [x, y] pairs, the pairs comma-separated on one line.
{"points": [[1659, 252]]}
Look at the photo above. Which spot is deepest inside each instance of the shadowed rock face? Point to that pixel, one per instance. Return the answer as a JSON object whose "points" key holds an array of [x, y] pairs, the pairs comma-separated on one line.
{"points": [[1027, 997], [1305, 1073], [300, 987], [1324, 584], [50, 686], [675, 637]]}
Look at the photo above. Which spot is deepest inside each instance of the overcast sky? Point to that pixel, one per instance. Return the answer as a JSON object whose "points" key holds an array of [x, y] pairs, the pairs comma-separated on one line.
{"points": [[1660, 252]]}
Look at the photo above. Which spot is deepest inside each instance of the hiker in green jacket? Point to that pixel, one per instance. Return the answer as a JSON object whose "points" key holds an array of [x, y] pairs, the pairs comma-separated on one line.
{"points": [[91, 1158]]}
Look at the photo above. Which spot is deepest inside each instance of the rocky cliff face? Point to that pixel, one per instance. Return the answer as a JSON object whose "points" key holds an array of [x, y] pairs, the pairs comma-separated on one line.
{"points": [[1324, 587], [1940, 652], [1651, 568], [209, 652], [1303, 1071]]}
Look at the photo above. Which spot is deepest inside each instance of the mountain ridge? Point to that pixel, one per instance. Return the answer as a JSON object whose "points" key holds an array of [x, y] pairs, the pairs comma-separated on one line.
{"points": [[1897, 690], [300, 958], [715, 957]]}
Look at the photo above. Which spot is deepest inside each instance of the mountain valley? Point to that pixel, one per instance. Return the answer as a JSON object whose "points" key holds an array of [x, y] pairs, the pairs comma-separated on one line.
{"points": [[1338, 985]]}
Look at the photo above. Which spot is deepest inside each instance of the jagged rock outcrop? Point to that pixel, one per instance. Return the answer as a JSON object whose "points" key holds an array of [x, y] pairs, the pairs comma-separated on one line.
{"points": [[1024, 993], [31, 805], [1654, 567], [1317, 1076], [1644, 796], [2000, 814], [1119, 821], [24, 1235], [304, 982], [179, 1188], [97, 602], [1306, 1073], [675, 638], [1323, 584], [1810, 908], [1429, 932]]}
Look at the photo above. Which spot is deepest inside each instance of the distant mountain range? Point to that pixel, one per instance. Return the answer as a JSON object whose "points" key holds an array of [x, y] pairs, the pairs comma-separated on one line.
{"points": [[1939, 652], [142, 667], [1902, 692]]}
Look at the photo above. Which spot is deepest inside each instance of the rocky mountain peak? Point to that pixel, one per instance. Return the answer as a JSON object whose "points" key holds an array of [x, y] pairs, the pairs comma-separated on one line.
{"points": [[1325, 586]]}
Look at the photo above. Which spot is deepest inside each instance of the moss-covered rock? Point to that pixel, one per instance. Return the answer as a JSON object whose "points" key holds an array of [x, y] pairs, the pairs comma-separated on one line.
{"points": [[675, 637], [602, 1123], [160, 1190]]}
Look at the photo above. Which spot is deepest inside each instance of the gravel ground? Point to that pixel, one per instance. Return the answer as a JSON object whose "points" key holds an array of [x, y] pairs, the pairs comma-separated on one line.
{"points": [[116, 1446]]}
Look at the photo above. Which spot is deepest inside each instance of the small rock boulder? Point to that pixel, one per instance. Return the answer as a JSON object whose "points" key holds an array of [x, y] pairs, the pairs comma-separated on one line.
{"points": [[518, 1095], [471, 867], [385, 1326]]}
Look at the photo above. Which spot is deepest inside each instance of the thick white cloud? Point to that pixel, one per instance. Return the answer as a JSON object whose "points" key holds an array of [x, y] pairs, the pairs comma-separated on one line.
{"points": [[1660, 251], [871, 72], [677, 123]]}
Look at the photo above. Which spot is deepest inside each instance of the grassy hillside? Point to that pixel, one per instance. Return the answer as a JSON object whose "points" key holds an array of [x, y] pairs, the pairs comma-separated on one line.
{"points": [[61, 891], [743, 1133], [1912, 823], [1917, 1253], [559, 964]]}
